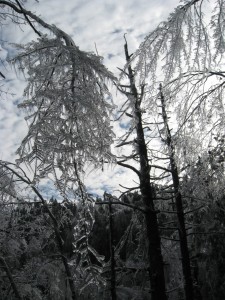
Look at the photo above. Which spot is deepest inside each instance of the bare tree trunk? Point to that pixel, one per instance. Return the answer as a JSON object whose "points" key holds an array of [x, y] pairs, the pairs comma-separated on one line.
{"points": [[112, 252], [8, 272], [157, 278], [186, 265]]}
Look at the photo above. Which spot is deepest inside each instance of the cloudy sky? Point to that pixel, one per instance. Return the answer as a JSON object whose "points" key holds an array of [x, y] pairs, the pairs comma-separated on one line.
{"points": [[93, 24]]}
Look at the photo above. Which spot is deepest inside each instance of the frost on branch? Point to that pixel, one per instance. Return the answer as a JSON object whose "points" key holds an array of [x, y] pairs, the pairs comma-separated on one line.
{"points": [[191, 39], [67, 104], [89, 263], [186, 53]]}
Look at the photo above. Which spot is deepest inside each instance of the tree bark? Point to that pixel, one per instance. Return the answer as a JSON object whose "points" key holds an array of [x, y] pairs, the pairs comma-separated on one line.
{"points": [[112, 252], [186, 265], [156, 273]]}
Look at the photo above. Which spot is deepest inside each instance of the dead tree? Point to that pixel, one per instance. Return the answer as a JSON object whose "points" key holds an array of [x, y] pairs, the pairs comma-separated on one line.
{"points": [[185, 259], [156, 273]]}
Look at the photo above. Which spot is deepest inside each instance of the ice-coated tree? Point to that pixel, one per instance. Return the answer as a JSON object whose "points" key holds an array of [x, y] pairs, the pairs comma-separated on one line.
{"points": [[68, 109], [186, 54], [67, 103]]}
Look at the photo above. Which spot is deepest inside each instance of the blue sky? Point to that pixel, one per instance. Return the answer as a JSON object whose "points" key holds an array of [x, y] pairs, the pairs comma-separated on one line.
{"points": [[93, 24]]}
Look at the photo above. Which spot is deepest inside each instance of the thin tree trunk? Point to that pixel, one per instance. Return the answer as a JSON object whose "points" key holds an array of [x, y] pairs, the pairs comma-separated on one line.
{"points": [[157, 278], [186, 265], [112, 252]]}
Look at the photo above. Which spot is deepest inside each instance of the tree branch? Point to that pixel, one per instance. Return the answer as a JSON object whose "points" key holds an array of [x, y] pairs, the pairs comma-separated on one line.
{"points": [[29, 22], [129, 167]]}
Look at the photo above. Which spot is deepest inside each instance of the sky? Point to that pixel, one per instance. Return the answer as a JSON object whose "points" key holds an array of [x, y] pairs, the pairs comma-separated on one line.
{"points": [[96, 26]]}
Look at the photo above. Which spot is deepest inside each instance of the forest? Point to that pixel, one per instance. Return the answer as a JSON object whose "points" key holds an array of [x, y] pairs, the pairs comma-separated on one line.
{"points": [[161, 238]]}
